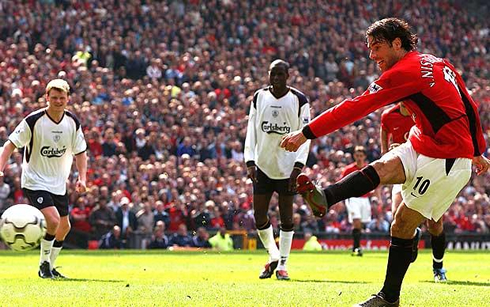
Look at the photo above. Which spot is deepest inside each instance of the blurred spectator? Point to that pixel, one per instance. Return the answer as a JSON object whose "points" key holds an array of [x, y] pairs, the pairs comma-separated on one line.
{"points": [[3, 135], [145, 219], [80, 215], [201, 238], [222, 241], [159, 240], [112, 239], [311, 243], [160, 214], [181, 238], [126, 219], [102, 219], [379, 224]]}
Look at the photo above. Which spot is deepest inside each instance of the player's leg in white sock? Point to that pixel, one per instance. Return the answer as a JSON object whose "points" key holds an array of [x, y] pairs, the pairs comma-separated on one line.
{"points": [[52, 218], [285, 241], [286, 234], [46, 245], [61, 233], [266, 235], [55, 251], [264, 227]]}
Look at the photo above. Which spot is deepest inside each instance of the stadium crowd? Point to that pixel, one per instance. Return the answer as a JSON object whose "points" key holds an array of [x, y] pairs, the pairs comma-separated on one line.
{"points": [[163, 89]]}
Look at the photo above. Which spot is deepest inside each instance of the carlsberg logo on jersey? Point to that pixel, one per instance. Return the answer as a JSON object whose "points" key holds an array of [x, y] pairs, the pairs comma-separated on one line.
{"points": [[49, 152], [268, 127]]}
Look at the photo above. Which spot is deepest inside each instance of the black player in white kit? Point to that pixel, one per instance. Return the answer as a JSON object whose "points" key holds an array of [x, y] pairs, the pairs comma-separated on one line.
{"points": [[275, 111], [51, 137]]}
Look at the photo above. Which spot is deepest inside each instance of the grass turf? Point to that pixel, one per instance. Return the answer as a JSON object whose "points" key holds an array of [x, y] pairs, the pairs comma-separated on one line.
{"points": [[142, 278]]}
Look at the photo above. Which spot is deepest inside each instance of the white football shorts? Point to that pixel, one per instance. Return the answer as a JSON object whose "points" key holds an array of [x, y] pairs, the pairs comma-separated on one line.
{"points": [[359, 208], [431, 184]]}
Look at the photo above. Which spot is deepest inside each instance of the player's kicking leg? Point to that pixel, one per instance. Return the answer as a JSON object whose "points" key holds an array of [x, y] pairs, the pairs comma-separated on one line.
{"points": [[438, 243], [286, 234], [266, 233]]}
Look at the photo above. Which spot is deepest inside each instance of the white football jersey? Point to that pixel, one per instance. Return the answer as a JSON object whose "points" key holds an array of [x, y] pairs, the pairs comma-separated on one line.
{"points": [[48, 150], [270, 118]]}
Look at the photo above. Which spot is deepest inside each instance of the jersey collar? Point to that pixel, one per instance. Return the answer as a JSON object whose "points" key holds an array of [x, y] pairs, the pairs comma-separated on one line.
{"points": [[57, 123]]}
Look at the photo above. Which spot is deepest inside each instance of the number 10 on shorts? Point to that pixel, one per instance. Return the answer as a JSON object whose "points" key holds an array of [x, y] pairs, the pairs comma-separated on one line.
{"points": [[421, 185]]}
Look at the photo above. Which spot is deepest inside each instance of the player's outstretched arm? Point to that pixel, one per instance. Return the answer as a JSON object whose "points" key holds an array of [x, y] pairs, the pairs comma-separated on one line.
{"points": [[6, 151], [482, 164], [81, 161]]}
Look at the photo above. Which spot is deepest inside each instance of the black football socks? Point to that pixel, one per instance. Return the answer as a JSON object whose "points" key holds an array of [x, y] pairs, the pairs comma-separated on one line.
{"points": [[356, 235], [438, 244], [399, 259], [355, 184]]}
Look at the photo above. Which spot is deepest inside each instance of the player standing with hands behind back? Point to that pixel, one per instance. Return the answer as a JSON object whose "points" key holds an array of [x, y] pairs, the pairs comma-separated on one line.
{"points": [[275, 111], [433, 165], [50, 137]]}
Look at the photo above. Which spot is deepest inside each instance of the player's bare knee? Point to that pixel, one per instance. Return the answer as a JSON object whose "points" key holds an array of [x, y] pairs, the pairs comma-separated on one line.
{"points": [[381, 169], [53, 221], [402, 228], [66, 227], [356, 223], [435, 228], [389, 171]]}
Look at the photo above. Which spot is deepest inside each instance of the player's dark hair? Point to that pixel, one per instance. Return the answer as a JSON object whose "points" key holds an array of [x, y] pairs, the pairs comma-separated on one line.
{"points": [[279, 62], [389, 29], [360, 149]]}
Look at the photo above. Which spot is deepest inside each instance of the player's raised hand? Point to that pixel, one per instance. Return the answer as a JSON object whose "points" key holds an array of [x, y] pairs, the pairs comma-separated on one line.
{"points": [[252, 173], [292, 141], [81, 186], [482, 164]]}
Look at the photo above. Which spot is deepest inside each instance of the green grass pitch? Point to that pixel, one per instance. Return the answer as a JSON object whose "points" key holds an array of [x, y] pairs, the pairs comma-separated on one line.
{"points": [[142, 278]]}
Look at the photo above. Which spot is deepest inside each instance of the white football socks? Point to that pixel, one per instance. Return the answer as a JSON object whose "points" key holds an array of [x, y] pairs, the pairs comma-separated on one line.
{"points": [[46, 247], [285, 241], [267, 238], [55, 251]]}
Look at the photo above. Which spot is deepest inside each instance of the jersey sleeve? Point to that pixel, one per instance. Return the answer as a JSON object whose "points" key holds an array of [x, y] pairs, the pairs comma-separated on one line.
{"points": [[21, 135], [250, 139], [391, 87], [79, 145], [304, 119]]}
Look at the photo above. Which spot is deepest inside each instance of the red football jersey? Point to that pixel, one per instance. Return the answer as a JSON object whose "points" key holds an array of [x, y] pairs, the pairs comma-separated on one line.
{"points": [[396, 125], [447, 124]]}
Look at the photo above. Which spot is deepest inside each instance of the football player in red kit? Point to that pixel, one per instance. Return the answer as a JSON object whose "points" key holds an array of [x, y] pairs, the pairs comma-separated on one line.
{"points": [[435, 162], [395, 127]]}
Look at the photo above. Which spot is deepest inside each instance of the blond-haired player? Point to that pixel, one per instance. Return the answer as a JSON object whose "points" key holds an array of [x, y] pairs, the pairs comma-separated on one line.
{"points": [[50, 136]]}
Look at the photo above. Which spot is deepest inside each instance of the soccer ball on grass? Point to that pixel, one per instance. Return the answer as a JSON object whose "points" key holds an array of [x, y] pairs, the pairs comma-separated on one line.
{"points": [[22, 227]]}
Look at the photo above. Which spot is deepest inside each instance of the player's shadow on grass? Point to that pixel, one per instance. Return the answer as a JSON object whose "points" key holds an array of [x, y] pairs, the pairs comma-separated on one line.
{"points": [[87, 279], [462, 283], [330, 281]]}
